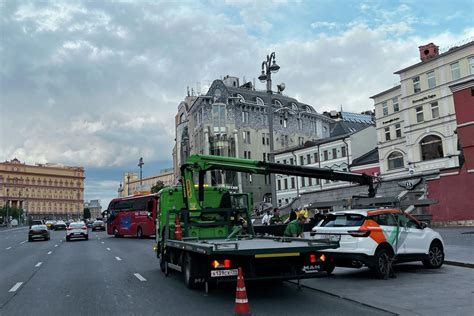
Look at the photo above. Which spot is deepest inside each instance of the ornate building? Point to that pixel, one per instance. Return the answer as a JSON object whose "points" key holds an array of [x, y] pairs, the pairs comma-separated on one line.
{"points": [[232, 120], [132, 184], [42, 190]]}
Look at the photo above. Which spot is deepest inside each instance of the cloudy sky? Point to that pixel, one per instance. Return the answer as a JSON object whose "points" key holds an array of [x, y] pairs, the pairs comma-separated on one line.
{"points": [[97, 83]]}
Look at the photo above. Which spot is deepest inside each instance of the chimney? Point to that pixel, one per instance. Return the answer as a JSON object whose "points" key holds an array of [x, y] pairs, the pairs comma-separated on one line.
{"points": [[428, 51]]}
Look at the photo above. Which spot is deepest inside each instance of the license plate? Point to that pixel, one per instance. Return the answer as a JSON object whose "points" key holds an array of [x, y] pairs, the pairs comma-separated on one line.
{"points": [[311, 268], [223, 273], [328, 236]]}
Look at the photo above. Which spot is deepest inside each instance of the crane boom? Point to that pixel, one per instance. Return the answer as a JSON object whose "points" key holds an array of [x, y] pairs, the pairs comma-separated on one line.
{"points": [[203, 163]]}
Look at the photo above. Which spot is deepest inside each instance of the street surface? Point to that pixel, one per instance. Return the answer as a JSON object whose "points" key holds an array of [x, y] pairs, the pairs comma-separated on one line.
{"points": [[109, 276], [105, 276]]}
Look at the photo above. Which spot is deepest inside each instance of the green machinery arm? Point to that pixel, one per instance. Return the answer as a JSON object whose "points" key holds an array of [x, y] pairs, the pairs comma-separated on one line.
{"points": [[203, 163]]}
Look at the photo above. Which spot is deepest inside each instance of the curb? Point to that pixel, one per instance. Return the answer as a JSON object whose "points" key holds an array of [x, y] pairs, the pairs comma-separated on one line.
{"points": [[459, 264]]}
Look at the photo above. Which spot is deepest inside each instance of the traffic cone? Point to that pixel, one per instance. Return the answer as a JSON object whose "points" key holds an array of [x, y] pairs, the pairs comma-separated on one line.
{"points": [[241, 302], [178, 232]]}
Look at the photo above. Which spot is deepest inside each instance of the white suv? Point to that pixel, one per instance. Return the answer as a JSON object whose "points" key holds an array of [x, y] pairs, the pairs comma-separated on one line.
{"points": [[77, 230], [375, 237]]}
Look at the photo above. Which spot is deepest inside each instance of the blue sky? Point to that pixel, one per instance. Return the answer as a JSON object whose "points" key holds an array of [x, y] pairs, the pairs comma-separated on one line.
{"points": [[97, 83]]}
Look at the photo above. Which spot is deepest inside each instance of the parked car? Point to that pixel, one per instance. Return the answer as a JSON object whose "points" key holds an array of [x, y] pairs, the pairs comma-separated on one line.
{"points": [[77, 230], [89, 223], [60, 225], [375, 237], [38, 231], [98, 225]]}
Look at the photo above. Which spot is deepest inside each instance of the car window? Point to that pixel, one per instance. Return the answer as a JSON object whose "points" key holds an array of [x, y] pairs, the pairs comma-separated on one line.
{"points": [[76, 225], [342, 220], [38, 227], [385, 219]]}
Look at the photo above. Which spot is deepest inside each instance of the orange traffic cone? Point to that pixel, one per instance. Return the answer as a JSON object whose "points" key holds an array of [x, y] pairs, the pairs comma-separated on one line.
{"points": [[178, 232], [241, 302]]}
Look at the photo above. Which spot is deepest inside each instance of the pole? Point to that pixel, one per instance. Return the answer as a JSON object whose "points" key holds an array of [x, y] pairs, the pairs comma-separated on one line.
{"points": [[128, 184], [270, 130], [8, 216], [140, 164]]}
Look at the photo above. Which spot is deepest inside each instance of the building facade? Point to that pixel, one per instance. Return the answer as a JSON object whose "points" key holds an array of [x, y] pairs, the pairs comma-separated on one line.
{"points": [[133, 184], [416, 120], [42, 190], [349, 142], [232, 120], [94, 207]]}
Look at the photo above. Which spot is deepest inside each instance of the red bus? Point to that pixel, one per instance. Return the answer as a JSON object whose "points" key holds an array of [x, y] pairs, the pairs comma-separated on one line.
{"points": [[132, 216]]}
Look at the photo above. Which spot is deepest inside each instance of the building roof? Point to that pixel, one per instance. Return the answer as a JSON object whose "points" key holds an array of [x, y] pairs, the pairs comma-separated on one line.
{"points": [[311, 143], [357, 117], [386, 91], [367, 158], [450, 51], [347, 127]]}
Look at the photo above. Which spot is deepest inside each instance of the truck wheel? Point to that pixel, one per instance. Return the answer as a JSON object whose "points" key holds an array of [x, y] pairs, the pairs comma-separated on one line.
{"points": [[330, 268], [436, 256], [139, 233], [381, 263], [116, 233], [190, 273]]}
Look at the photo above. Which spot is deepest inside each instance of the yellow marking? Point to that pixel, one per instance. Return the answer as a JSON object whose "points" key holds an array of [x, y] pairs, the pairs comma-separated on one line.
{"points": [[273, 255]]}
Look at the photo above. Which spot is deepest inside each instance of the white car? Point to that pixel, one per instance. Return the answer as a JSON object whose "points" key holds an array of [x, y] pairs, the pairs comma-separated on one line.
{"points": [[77, 230], [375, 237]]}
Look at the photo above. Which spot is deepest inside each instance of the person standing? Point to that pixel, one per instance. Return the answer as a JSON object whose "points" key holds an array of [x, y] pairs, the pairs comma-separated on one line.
{"points": [[266, 218], [295, 228], [276, 219]]}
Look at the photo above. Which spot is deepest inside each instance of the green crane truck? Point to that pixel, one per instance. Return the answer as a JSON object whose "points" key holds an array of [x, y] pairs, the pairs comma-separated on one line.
{"points": [[206, 233]]}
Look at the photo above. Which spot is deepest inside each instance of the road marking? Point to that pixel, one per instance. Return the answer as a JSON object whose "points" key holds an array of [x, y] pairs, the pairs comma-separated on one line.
{"points": [[61, 240], [23, 242], [15, 287], [118, 258], [8, 248], [101, 242], [50, 252], [38, 264], [108, 249], [55, 245], [139, 277]]}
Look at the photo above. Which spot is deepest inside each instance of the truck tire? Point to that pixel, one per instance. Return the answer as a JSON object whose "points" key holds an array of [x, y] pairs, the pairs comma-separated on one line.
{"points": [[116, 233], [436, 256], [139, 233], [330, 268], [190, 272]]}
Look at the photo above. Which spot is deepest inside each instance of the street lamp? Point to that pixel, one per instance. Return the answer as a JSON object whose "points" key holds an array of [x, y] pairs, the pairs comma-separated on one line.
{"points": [[120, 189], [268, 67], [128, 184], [8, 217], [140, 164]]}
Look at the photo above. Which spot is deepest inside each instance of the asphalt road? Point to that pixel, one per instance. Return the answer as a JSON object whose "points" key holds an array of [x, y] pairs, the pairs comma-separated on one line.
{"points": [[109, 276]]}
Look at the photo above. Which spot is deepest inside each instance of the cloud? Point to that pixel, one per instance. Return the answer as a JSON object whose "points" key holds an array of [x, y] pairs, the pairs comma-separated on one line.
{"points": [[323, 24]]}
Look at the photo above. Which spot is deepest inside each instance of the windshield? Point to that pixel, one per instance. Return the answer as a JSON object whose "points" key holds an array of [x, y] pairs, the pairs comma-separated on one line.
{"points": [[342, 220], [38, 227], [76, 225]]}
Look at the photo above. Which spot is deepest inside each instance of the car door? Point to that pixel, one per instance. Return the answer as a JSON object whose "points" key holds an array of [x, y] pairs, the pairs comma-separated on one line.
{"points": [[417, 239], [393, 235]]}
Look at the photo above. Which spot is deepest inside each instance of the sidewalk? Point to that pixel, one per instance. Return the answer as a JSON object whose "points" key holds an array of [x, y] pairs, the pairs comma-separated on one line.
{"points": [[459, 245]]}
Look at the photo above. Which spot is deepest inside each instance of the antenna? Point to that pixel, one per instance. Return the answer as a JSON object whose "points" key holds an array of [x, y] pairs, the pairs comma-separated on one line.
{"points": [[187, 88]]}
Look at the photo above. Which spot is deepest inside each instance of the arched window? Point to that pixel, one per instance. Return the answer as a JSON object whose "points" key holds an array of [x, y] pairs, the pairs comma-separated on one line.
{"points": [[395, 160], [277, 103], [241, 98], [259, 101], [431, 147], [294, 107]]}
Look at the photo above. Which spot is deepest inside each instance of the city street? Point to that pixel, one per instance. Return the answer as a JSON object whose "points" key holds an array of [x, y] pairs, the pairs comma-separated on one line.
{"points": [[105, 276]]}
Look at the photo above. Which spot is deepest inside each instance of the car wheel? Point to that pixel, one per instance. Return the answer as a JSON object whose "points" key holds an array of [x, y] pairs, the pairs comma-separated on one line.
{"points": [[87, 237], [435, 256], [68, 239], [381, 264], [139, 233], [30, 239], [190, 273]]}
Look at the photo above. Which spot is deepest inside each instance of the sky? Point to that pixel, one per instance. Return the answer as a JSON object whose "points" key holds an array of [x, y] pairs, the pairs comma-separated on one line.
{"points": [[97, 83]]}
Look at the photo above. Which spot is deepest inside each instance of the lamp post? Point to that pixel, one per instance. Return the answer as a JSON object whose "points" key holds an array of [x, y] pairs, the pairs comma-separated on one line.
{"points": [[268, 67], [8, 217], [120, 189], [140, 164], [128, 184]]}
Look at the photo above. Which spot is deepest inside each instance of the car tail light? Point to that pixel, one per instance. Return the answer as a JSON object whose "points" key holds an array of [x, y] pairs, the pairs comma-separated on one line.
{"points": [[359, 233], [218, 264], [312, 258], [84, 227], [69, 228]]}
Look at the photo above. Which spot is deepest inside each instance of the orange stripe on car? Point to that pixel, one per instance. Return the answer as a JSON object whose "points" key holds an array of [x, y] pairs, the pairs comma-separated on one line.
{"points": [[382, 212], [376, 232]]}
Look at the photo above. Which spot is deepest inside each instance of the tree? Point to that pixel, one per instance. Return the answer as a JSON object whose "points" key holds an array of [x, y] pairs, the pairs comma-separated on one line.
{"points": [[87, 213], [13, 212], [157, 187]]}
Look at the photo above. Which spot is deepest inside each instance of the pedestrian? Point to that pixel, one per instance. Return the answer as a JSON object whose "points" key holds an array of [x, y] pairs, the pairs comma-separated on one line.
{"points": [[292, 216], [266, 218], [295, 228], [275, 219]]}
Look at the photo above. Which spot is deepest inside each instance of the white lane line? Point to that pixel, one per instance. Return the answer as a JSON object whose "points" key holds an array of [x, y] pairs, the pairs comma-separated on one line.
{"points": [[101, 242], [15, 287], [108, 249], [8, 248], [55, 245], [23, 242], [118, 258], [139, 277], [50, 252], [38, 264]]}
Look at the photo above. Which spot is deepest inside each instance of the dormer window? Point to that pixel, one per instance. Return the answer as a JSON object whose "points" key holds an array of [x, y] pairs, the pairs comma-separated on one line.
{"points": [[259, 101]]}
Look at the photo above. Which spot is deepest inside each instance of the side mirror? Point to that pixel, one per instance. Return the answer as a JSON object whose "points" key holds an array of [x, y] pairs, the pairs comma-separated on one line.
{"points": [[149, 215]]}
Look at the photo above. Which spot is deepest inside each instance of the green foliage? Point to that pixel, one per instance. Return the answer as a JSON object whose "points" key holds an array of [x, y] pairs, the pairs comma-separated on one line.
{"points": [[14, 212], [87, 213], [157, 187]]}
